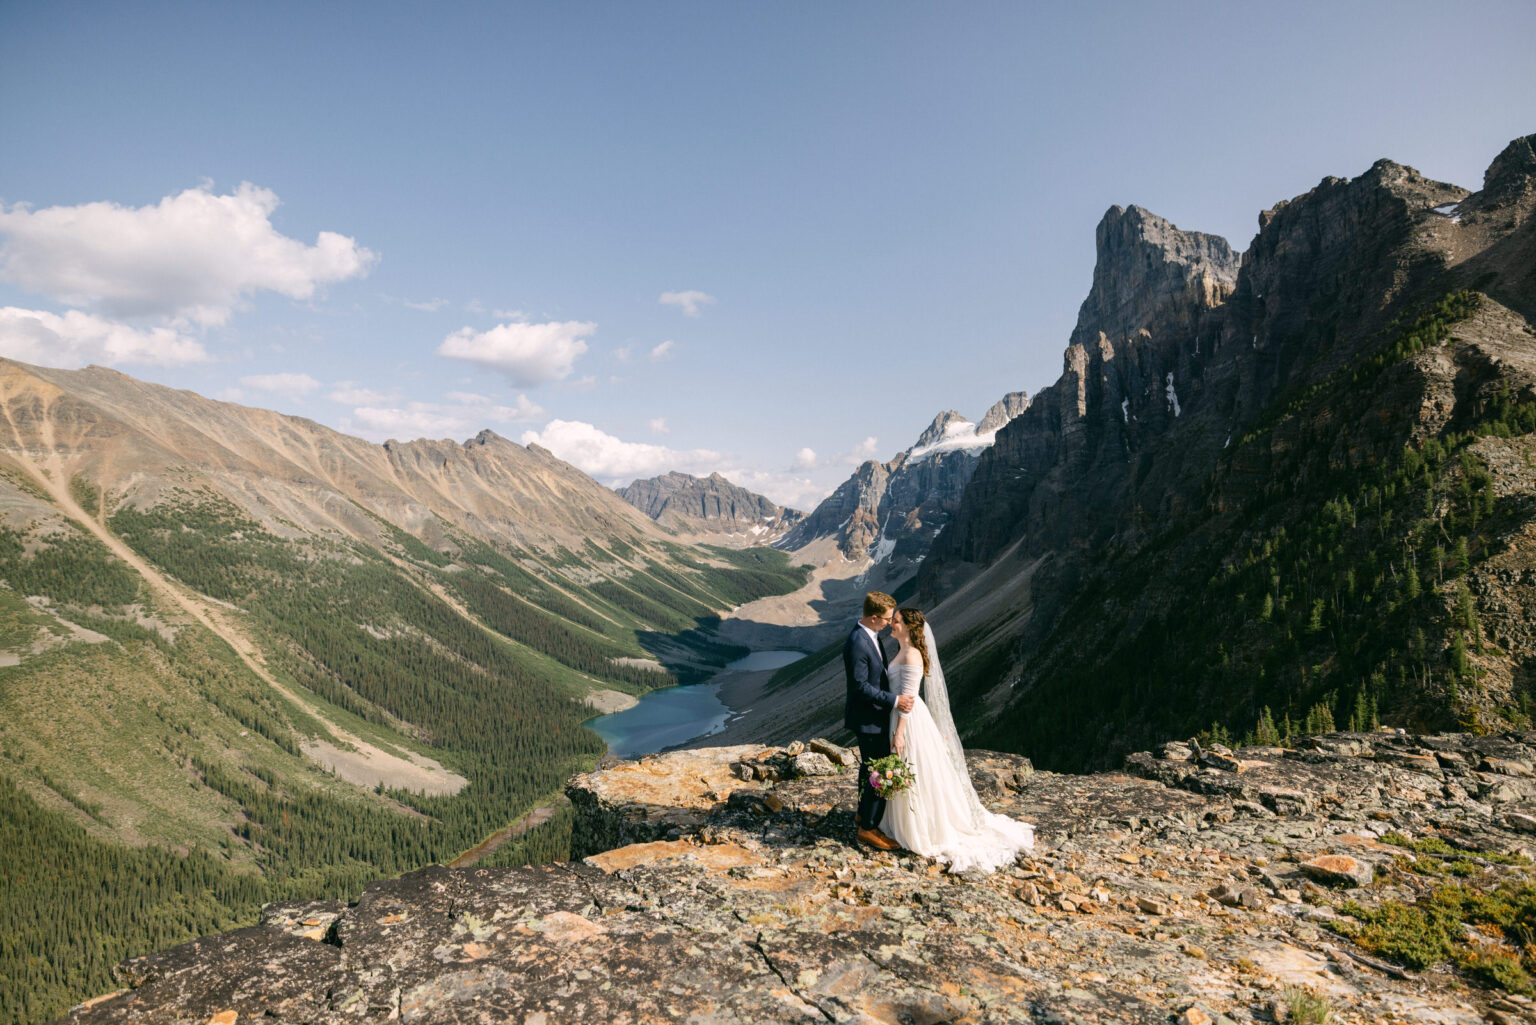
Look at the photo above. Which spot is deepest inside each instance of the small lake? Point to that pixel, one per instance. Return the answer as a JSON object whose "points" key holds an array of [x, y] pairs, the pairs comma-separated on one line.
{"points": [[760, 660], [675, 715]]}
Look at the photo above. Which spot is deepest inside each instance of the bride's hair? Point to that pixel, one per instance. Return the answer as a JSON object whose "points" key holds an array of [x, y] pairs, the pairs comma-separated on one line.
{"points": [[914, 621]]}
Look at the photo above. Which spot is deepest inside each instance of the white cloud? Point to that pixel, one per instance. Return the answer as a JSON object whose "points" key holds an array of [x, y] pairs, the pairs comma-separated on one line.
{"points": [[616, 462], [689, 302], [193, 256], [454, 419], [865, 450], [623, 352], [430, 306], [73, 339], [350, 393], [291, 385], [528, 354], [662, 351], [583, 383], [467, 398], [612, 460], [509, 314], [786, 489], [659, 425], [805, 458]]}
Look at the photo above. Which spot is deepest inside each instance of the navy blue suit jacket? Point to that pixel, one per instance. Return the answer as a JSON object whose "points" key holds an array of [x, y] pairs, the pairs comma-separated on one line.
{"points": [[869, 695]]}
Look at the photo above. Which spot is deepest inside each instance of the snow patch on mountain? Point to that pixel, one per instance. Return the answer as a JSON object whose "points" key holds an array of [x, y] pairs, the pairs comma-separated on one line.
{"points": [[959, 435]]}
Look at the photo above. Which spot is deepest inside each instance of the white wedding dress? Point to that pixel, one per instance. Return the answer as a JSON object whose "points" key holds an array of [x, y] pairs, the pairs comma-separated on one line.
{"points": [[940, 816]]}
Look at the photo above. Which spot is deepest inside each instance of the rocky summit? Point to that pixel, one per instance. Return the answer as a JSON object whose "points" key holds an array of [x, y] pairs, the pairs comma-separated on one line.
{"points": [[710, 505], [1198, 885], [892, 511]]}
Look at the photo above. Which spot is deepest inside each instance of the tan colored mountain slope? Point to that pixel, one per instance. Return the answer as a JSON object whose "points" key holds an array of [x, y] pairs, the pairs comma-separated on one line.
{"points": [[136, 441]]}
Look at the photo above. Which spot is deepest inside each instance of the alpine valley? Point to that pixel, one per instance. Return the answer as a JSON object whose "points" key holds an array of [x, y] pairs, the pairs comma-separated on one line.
{"points": [[245, 658]]}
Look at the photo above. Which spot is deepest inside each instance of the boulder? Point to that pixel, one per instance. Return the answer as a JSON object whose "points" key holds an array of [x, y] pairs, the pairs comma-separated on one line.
{"points": [[840, 755], [1339, 870], [814, 763]]}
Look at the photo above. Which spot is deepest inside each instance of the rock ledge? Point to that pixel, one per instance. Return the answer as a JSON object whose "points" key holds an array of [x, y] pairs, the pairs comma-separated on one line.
{"points": [[1193, 886]]}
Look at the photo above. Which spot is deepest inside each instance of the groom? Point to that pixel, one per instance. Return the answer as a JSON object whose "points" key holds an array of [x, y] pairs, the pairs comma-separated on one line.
{"points": [[868, 712]]}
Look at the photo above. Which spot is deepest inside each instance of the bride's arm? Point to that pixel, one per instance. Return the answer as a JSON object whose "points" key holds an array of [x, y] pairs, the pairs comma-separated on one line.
{"points": [[909, 691]]}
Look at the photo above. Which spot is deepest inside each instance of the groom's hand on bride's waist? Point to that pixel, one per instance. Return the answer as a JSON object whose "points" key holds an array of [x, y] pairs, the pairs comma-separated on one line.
{"points": [[904, 703]]}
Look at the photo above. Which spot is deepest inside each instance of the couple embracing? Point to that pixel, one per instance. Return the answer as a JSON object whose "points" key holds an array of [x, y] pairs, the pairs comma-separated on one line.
{"points": [[900, 704]]}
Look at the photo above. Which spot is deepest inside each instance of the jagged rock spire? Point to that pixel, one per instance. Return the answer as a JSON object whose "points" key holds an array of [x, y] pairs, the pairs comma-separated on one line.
{"points": [[1145, 264]]}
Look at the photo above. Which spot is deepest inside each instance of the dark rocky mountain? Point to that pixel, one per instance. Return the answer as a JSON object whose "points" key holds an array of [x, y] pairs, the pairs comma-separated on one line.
{"points": [[710, 505], [1306, 483], [890, 512], [1303, 488]]}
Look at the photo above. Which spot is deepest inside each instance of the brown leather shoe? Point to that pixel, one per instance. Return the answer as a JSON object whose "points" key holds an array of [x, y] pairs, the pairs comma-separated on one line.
{"points": [[878, 840]]}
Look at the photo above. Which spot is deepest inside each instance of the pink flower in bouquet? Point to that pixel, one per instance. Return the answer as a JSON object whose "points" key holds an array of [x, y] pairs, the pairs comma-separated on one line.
{"points": [[890, 775]]}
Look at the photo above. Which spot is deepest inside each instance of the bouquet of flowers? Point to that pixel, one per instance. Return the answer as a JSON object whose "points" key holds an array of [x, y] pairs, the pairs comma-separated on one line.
{"points": [[890, 774]]}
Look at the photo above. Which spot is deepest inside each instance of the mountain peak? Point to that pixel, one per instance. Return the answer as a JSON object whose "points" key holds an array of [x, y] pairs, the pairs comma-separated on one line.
{"points": [[1002, 411], [486, 437], [708, 505], [1145, 262], [1512, 171], [940, 427]]}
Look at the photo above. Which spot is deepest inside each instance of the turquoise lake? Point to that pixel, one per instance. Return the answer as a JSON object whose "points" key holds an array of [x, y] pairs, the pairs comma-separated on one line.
{"points": [[676, 715]]}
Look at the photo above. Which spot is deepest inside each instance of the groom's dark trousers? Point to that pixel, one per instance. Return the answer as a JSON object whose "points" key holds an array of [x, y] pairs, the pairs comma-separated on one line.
{"points": [[868, 715], [871, 804]]}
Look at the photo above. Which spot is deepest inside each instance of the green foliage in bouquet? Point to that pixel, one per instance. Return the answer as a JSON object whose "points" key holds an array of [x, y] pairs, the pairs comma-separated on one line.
{"points": [[890, 775]]}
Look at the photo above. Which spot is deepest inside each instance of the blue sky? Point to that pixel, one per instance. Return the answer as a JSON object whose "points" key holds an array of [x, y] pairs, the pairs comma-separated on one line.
{"points": [[746, 237]]}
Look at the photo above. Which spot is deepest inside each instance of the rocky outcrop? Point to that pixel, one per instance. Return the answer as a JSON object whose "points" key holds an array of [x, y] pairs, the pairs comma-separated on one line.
{"points": [[1196, 886], [1149, 274], [1063, 462], [1002, 411], [1511, 178], [710, 505]]}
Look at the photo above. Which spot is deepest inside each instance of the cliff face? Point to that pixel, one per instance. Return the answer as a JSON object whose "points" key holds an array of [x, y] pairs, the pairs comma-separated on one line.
{"points": [[1196, 886], [710, 505], [1141, 551], [1064, 460], [1150, 275]]}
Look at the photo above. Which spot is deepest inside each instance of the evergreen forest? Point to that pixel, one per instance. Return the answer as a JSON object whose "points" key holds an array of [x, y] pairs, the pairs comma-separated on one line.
{"points": [[1336, 597], [472, 654]]}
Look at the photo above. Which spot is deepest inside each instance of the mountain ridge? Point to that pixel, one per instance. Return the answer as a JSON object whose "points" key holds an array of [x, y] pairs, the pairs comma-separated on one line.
{"points": [[919, 499], [710, 505]]}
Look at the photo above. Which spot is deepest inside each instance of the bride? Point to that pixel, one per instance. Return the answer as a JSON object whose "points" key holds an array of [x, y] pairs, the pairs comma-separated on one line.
{"points": [[940, 815]]}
